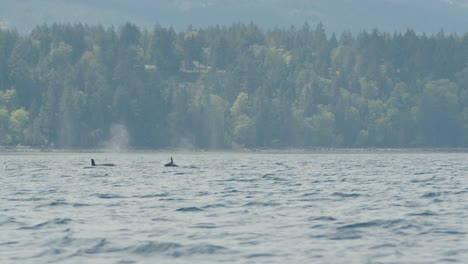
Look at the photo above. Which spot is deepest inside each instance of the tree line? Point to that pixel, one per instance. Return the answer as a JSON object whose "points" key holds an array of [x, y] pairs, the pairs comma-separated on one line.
{"points": [[67, 85]]}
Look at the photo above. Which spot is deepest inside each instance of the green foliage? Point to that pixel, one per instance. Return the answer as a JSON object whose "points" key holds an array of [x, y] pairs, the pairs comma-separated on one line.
{"points": [[237, 86], [5, 137], [19, 120], [242, 124], [60, 54], [8, 99], [322, 128]]}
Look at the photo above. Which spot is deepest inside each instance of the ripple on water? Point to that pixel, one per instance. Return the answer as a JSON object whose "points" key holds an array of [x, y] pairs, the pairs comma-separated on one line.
{"points": [[102, 246], [153, 195], [431, 194], [189, 209], [216, 205], [273, 177], [150, 248], [50, 223], [425, 213], [108, 196], [346, 234], [10, 221], [322, 218], [259, 255], [205, 226], [261, 204], [346, 195], [374, 223], [175, 249], [54, 204], [204, 248], [324, 209], [423, 180]]}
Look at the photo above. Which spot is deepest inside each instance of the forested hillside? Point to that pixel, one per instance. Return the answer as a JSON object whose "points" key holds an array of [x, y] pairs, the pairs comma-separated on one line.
{"points": [[69, 86]]}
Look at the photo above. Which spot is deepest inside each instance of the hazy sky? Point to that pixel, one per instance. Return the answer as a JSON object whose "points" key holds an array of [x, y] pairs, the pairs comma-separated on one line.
{"points": [[337, 15]]}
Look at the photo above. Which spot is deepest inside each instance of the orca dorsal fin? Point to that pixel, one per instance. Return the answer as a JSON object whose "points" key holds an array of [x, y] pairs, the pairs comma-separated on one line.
{"points": [[93, 163]]}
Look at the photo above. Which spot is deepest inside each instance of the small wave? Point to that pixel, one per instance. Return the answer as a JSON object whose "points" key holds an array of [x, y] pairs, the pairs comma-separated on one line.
{"points": [[446, 231], [204, 249], [172, 199], [423, 180], [32, 199], [53, 204], [318, 236], [260, 204], [310, 193], [205, 226], [317, 227], [48, 191], [379, 223], [80, 205], [182, 173], [431, 195], [66, 240], [189, 209], [422, 172], [150, 248], [62, 203], [259, 255], [386, 245], [450, 260], [175, 250], [322, 218], [9, 220], [153, 195], [97, 175], [161, 219], [9, 243], [58, 203], [461, 192], [218, 205], [49, 252], [240, 180], [346, 195], [408, 229], [273, 178], [102, 246], [347, 235], [56, 221], [108, 196], [425, 213], [126, 262]]}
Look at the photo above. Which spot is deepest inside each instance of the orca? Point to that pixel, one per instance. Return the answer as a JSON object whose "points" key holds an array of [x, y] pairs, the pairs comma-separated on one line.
{"points": [[104, 164], [171, 164]]}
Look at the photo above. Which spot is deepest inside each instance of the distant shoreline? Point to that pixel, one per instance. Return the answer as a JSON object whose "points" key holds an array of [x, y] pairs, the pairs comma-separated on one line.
{"points": [[318, 150]]}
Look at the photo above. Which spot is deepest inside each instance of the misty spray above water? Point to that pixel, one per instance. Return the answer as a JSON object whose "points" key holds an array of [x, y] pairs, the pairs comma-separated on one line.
{"points": [[119, 138]]}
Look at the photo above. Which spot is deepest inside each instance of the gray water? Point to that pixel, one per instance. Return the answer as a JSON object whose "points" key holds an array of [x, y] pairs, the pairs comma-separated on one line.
{"points": [[234, 208]]}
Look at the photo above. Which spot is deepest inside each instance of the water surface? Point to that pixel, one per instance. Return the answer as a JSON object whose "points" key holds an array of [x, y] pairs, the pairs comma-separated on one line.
{"points": [[234, 208]]}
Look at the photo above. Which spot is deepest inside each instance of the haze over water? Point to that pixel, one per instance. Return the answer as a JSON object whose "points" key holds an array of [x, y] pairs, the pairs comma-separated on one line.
{"points": [[383, 207]]}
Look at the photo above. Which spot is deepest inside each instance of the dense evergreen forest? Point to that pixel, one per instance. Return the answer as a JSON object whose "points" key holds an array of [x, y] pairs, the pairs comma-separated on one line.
{"points": [[71, 86]]}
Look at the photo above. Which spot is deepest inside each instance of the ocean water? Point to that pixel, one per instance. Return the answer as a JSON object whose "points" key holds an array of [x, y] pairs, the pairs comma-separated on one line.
{"points": [[382, 207]]}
